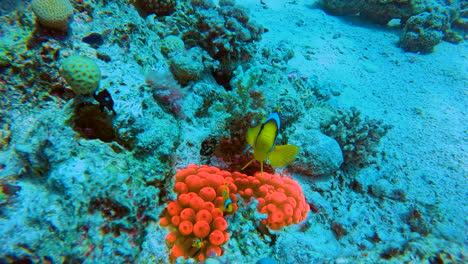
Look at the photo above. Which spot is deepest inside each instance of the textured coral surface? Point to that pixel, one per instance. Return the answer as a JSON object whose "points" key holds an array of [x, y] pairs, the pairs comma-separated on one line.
{"points": [[197, 214], [89, 178], [53, 14]]}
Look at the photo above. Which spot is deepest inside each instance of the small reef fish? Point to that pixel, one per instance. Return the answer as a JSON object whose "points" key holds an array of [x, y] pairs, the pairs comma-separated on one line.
{"points": [[227, 202], [262, 139], [104, 99], [197, 243]]}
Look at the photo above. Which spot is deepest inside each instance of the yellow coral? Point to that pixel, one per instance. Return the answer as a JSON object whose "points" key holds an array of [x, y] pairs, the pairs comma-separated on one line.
{"points": [[53, 14], [81, 73], [172, 43]]}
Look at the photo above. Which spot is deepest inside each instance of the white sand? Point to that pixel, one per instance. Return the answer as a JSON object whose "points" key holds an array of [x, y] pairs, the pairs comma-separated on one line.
{"points": [[422, 96]]}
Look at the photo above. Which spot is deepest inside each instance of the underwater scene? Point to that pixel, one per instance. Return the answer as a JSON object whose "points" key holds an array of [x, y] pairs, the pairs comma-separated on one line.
{"points": [[233, 132]]}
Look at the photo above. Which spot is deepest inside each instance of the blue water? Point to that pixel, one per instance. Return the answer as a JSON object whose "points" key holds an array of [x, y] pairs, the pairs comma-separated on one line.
{"points": [[93, 148]]}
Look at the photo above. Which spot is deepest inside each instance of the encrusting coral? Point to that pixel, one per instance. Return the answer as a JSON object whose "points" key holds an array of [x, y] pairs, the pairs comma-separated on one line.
{"points": [[166, 91], [205, 195]]}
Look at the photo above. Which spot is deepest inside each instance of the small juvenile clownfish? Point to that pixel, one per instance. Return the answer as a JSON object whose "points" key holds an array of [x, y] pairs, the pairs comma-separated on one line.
{"points": [[227, 202], [262, 139], [197, 243]]}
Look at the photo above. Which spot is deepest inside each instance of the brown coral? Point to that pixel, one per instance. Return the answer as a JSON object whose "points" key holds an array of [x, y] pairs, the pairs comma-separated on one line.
{"points": [[5, 135], [158, 7]]}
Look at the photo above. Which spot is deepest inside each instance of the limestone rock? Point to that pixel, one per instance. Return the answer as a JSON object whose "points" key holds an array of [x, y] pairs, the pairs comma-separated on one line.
{"points": [[319, 155]]}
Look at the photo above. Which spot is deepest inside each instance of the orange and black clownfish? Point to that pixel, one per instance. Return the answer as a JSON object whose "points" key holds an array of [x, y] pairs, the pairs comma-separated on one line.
{"points": [[227, 202], [262, 139]]}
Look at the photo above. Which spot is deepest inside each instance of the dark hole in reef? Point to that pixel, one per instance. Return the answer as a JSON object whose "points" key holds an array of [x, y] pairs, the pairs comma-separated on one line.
{"points": [[58, 90], [43, 34], [390, 253], [92, 123], [338, 230], [223, 79], [16, 260], [264, 231], [70, 259], [109, 208], [164, 193], [7, 189]]}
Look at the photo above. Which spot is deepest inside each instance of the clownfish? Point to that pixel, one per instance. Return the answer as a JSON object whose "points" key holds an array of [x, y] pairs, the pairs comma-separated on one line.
{"points": [[227, 202], [197, 243], [262, 140]]}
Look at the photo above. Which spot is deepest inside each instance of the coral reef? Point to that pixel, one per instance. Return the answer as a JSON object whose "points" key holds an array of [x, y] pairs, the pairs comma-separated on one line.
{"points": [[5, 133], [358, 138], [75, 176], [82, 205], [226, 33], [187, 65], [380, 12], [23, 58], [171, 43], [223, 30], [91, 123], [167, 92], [81, 73], [424, 31], [266, 261], [196, 217], [425, 22], [226, 148], [158, 7], [81, 182], [242, 82], [10, 6], [53, 14]]}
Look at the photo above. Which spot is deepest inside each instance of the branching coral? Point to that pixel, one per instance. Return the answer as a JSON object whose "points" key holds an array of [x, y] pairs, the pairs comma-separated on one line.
{"points": [[226, 33], [358, 138]]}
